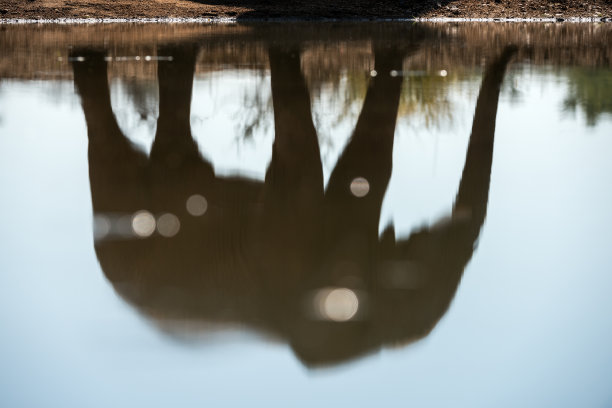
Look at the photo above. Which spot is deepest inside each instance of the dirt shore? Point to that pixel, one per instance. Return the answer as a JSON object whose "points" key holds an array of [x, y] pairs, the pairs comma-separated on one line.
{"points": [[304, 9]]}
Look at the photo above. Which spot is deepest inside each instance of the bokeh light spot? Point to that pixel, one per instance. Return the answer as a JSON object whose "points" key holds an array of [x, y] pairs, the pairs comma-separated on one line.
{"points": [[196, 205], [101, 226], [360, 187], [143, 223], [168, 225], [337, 304]]}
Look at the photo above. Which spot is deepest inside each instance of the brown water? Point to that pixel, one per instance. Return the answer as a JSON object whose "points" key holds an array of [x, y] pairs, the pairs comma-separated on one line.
{"points": [[301, 214]]}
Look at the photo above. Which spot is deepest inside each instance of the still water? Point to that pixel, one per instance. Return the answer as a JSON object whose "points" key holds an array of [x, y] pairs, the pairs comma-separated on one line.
{"points": [[306, 214]]}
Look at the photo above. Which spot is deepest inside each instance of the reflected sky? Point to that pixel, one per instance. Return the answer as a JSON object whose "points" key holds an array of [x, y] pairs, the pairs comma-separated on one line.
{"points": [[528, 324]]}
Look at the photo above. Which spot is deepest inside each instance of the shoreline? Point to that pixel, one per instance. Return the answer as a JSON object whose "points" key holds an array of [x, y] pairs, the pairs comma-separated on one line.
{"points": [[205, 11], [234, 20]]}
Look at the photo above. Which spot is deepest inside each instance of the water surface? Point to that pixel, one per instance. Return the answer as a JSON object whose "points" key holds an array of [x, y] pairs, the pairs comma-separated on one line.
{"points": [[276, 214]]}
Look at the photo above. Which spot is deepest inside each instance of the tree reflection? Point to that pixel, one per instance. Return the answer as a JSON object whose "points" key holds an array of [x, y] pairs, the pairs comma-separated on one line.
{"points": [[589, 90], [283, 256]]}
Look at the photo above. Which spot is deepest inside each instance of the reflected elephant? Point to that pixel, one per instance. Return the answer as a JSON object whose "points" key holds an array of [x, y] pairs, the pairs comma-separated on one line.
{"points": [[284, 256]]}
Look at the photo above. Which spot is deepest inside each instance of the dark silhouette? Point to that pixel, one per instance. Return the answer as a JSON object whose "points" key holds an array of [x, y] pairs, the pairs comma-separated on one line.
{"points": [[318, 9], [284, 256]]}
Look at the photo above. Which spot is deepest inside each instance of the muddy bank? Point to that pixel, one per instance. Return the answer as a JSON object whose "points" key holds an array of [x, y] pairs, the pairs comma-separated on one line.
{"points": [[302, 9]]}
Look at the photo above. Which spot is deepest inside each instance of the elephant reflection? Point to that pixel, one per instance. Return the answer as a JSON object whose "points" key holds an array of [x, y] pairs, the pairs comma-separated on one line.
{"points": [[284, 256]]}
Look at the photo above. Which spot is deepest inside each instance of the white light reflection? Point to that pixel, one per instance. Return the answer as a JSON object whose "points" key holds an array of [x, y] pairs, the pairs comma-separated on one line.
{"points": [[373, 73], [336, 304], [168, 225], [196, 205], [101, 226], [143, 223], [443, 73], [360, 187]]}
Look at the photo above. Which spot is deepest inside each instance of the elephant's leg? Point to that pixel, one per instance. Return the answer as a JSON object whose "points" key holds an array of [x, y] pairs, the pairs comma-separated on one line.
{"points": [[359, 180], [177, 169], [289, 231], [357, 185], [115, 167], [174, 144], [294, 180]]}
